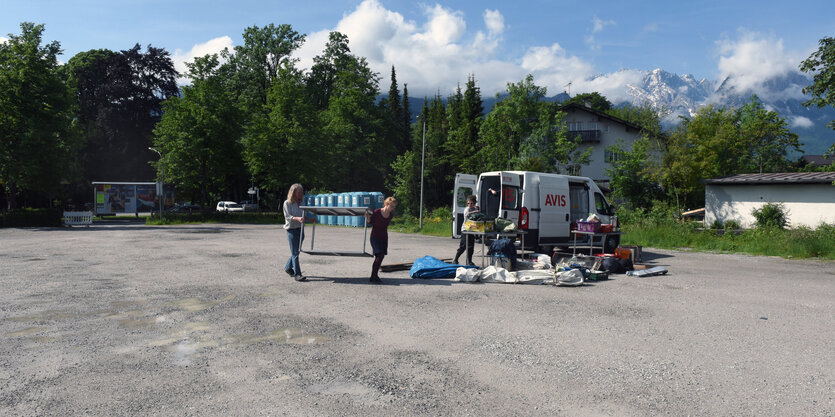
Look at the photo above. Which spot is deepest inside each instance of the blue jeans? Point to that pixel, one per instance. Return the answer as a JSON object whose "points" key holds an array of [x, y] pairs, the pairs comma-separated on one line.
{"points": [[294, 237]]}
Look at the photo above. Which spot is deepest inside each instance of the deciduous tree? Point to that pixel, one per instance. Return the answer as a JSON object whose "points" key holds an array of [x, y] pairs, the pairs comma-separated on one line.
{"points": [[38, 142], [199, 136], [822, 65]]}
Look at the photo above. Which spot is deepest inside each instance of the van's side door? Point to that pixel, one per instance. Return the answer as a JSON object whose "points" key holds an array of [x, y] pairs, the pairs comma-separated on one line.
{"points": [[555, 209], [511, 196], [465, 185]]}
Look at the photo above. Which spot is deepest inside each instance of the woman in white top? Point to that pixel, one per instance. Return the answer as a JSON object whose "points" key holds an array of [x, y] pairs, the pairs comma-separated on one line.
{"points": [[293, 218], [467, 242]]}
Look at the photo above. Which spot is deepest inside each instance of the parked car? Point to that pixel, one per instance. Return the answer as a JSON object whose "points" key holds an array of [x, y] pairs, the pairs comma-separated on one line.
{"points": [[229, 206], [249, 206], [185, 208]]}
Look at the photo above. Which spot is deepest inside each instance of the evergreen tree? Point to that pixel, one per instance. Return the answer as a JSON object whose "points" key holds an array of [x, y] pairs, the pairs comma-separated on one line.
{"points": [[406, 127], [473, 116], [395, 111]]}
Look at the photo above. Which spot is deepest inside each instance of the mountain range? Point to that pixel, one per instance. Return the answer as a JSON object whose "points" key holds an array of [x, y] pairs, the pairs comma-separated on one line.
{"points": [[682, 96]]}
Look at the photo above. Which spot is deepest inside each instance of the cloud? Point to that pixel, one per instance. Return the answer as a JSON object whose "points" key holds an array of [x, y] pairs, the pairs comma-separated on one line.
{"points": [[552, 67], [801, 122], [597, 26], [615, 86], [432, 55], [213, 46], [3, 39], [600, 24], [753, 59], [494, 21], [651, 27]]}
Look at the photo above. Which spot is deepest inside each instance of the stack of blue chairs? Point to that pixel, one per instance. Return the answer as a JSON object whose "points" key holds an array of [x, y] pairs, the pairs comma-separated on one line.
{"points": [[373, 200]]}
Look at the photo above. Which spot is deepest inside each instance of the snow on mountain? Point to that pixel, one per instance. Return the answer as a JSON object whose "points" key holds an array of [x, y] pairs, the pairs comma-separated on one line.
{"points": [[683, 95]]}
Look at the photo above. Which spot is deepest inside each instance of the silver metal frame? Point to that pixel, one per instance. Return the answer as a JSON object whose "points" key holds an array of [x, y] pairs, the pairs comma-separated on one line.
{"points": [[336, 211]]}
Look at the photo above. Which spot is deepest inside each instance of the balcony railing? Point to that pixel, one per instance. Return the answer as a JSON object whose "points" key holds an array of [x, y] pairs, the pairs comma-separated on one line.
{"points": [[586, 136]]}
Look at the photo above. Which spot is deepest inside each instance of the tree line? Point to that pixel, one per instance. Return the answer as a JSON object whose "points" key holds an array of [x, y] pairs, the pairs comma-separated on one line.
{"points": [[251, 117]]}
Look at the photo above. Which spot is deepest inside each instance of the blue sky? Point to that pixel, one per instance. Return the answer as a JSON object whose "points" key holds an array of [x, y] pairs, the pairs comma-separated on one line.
{"points": [[435, 45]]}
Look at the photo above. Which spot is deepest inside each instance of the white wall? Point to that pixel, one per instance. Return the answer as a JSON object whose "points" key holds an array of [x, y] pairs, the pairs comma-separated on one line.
{"points": [[610, 132], [807, 204]]}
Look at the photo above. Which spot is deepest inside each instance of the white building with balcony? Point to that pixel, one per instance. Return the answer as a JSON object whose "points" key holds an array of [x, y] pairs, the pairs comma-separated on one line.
{"points": [[597, 130]]}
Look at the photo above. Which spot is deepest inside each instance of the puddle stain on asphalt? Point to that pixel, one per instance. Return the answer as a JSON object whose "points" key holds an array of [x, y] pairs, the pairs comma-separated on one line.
{"points": [[184, 343], [46, 315], [185, 349], [128, 303], [47, 339], [140, 323], [193, 305], [293, 336], [26, 332], [266, 294], [185, 331]]}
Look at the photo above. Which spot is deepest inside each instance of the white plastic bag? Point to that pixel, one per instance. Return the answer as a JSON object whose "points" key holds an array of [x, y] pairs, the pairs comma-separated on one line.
{"points": [[569, 278], [467, 274], [493, 274], [534, 277]]}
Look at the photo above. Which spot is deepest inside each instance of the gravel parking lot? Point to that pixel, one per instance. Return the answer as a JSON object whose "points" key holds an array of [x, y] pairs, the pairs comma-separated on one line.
{"points": [[201, 320]]}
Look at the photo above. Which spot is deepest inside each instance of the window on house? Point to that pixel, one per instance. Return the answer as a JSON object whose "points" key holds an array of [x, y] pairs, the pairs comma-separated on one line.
{"points": [[611, 156], [573, 169]]}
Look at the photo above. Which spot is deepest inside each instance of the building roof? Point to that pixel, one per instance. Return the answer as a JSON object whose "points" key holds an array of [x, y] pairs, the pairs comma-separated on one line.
{"points": [[600, 114], [775, 178], [818, 160]]}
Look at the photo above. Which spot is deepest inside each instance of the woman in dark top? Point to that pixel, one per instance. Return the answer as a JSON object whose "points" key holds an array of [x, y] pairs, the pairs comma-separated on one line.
{"points": [[379, 222]]}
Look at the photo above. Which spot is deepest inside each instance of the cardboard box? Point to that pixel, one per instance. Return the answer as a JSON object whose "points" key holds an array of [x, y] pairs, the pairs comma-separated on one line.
{"points": [[474, 226]]}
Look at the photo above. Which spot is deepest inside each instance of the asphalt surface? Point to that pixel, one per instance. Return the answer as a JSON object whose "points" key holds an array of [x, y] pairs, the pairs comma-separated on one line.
{"points": [[202, 320]]}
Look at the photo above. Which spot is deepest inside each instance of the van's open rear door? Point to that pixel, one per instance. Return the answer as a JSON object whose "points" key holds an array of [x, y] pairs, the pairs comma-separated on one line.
{"points": [[465, 185], [555, 209], [511, 194]]}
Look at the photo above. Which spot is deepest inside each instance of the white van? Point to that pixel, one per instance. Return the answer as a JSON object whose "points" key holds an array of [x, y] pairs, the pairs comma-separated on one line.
{"points": [[544, 205]]}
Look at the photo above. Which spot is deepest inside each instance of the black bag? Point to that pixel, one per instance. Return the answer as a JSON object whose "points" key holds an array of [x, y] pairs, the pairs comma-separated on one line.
{"points": [[616, 266]]}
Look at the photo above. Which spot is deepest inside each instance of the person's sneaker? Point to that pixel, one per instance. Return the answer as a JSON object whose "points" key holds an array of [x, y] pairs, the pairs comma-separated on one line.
{"points": [[300, 278], [470, 264], [289, 272], [376, 280]]}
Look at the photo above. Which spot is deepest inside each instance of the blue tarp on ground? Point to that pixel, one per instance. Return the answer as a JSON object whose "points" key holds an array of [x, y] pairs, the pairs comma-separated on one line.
{"points": [[431, 267]]}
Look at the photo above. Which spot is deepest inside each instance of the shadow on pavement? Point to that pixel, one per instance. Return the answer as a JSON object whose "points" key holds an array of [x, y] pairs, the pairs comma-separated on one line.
{"points": [[647, 257], [106, 228], [386, 281]]}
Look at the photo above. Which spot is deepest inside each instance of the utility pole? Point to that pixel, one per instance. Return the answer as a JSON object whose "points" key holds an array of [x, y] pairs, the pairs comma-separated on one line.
{"points": [[161, 188], [422, 156]]}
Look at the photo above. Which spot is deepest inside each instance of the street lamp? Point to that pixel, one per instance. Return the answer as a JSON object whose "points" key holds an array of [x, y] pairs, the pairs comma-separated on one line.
{"points": [[161, 181]]}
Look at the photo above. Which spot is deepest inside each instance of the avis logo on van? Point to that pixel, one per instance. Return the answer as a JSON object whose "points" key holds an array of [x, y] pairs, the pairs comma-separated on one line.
{"points": [[555, 200]]}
